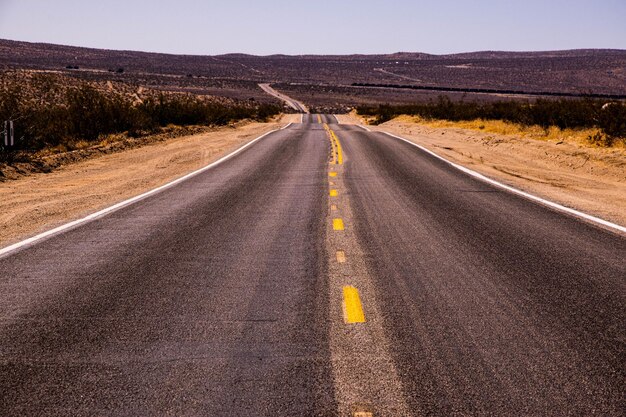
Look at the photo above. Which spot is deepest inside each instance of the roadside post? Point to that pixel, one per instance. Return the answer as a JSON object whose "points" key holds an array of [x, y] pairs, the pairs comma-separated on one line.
{"points": [[9, 136]]}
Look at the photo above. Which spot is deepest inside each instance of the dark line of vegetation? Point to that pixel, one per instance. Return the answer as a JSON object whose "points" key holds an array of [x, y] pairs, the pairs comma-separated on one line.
{"points": [[493, 91], [610, 118], [87, 113]]}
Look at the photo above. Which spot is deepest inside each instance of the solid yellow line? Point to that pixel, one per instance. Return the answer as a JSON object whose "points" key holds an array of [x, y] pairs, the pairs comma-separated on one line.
{"points": [[338, 146], [352, 308], [333, 148], [335, 145], [334, 193], [339, 153], [332, 174], [319, 119], [337, 224]]}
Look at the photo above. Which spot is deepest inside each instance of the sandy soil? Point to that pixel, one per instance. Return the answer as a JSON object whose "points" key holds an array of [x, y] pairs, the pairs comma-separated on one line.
{"points": [[583, 177], [39, 202]]}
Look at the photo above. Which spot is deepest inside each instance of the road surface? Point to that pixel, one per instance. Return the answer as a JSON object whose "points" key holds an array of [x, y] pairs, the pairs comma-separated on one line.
{"points": [[282, 283], [294, 104]]}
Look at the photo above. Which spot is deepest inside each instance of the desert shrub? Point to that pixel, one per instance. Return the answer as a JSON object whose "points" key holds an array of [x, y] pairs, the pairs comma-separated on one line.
{"points": [[91, 113], [44, 127], [85, 113], [612, 120], [11, 108], [570, 113], [600, 139], [266, 111], [186, 110]]}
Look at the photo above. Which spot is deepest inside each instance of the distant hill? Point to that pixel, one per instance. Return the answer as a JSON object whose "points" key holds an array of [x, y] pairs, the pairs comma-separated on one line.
{"points": [[601, 71], [571, 53]]}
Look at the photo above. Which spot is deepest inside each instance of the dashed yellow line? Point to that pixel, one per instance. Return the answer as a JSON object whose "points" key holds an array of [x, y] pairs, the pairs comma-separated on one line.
{"points": [[352, 308], [319, 119]]}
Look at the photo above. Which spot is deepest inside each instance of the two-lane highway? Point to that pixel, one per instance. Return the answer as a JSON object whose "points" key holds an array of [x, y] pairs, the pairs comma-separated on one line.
{"points": [[287, 281]]}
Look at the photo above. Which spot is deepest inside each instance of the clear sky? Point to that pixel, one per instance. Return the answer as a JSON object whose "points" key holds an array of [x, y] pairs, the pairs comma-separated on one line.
{"points": [[260, 27]]}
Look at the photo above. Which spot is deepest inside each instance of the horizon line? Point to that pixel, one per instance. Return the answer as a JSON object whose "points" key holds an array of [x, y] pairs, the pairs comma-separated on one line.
{"points": [[319, 54]]}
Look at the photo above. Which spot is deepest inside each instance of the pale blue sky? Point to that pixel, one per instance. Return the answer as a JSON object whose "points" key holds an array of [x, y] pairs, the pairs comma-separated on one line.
{"points": [[320, 27]]}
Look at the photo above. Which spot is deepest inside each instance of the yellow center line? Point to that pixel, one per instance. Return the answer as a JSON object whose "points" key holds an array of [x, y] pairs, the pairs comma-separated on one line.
{"points": [[319, 119], [341, 256], [332, 174], [352, 308], [335, 139], [338, 224], [333, 147], [334, 193]]}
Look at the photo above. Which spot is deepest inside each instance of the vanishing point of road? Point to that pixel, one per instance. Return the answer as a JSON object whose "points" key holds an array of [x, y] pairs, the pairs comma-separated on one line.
{"points": [[324, 270]]}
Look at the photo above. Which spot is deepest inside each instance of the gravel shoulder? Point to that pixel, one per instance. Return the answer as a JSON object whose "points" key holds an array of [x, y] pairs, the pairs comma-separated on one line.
{"points": [[586, 178], [41, 201]]}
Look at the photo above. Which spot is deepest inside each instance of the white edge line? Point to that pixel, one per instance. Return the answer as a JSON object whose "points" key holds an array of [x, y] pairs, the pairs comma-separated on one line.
{"points": [[285, 127], [301, 118], [93, 216], [368, 130], [337, 119], [516, 191]]}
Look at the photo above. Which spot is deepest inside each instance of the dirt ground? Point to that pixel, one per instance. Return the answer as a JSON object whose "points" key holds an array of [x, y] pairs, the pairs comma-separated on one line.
{"points": [[562, 170], [39, 202]]}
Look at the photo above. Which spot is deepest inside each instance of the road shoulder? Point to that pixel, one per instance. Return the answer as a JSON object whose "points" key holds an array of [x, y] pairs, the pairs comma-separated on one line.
{"points": [[39, 202], [589, 179]]}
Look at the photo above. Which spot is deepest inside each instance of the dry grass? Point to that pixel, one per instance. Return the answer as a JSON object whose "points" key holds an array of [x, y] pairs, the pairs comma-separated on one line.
{"points": [[582, 176], [499, 127]]}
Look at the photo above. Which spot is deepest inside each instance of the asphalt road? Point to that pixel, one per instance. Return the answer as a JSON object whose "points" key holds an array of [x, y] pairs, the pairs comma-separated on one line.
{"points": [[294, 104], [222, 296]]}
